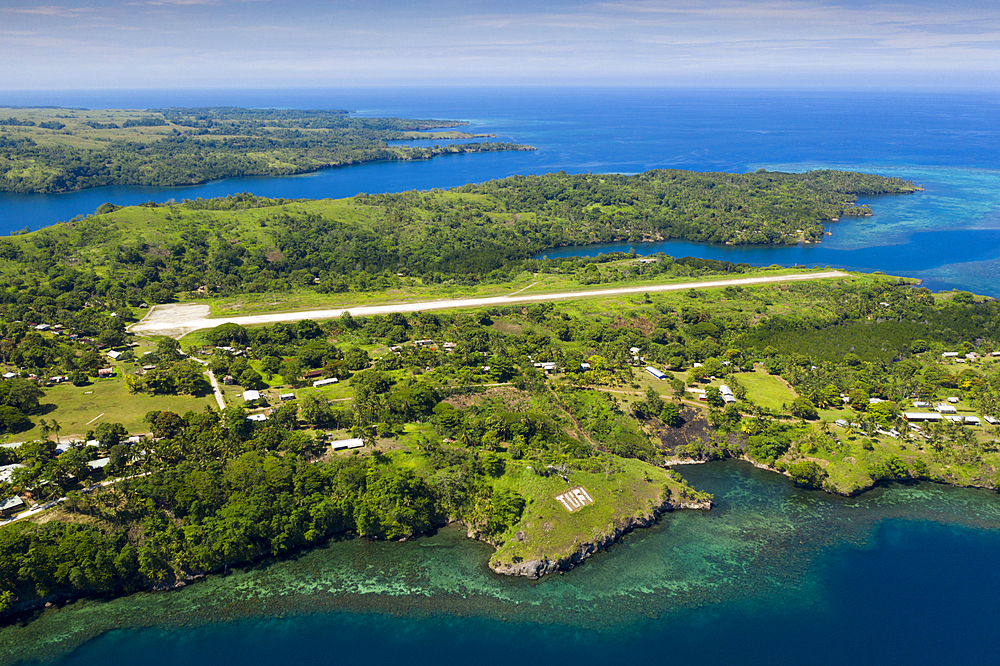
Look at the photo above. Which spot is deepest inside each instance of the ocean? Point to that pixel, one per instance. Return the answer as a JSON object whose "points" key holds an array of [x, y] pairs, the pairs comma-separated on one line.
{"points": [[904, 574], [947, 235], [771, 575]]}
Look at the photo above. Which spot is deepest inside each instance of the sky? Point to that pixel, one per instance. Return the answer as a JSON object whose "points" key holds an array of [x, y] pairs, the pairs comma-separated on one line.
{"points": [[112, 44]]}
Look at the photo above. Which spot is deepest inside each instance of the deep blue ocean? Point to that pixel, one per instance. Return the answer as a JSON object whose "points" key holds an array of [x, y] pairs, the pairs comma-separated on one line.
{"points": [[773, 575], [948, 235]]}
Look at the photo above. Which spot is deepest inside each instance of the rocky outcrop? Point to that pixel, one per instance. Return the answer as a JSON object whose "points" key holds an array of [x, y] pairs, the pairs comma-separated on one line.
{"points": [[534, 569]]}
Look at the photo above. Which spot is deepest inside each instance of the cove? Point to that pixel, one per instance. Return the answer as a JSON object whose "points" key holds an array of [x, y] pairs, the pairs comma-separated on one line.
{"points": [[946, 142], [948, 235], [772, 575]]}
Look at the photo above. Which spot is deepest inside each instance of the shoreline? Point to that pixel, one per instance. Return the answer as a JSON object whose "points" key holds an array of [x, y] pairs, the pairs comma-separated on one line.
{"points": [[535, 569], [532, 569]]}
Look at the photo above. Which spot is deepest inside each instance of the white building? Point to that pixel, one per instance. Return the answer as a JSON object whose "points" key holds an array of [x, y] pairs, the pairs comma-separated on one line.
{"points": [[353, 443]]}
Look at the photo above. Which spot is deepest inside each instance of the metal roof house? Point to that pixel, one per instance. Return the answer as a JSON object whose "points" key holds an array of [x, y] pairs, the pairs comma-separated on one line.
{"points": [[10, 505], [353, 443]]}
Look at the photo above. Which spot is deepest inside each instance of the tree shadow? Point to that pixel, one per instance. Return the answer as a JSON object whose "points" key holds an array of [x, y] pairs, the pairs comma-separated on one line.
{"points": [[47, 408]]}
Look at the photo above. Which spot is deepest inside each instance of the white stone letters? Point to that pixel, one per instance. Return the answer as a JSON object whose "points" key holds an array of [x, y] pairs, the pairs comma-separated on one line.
{"points": [[575, 499]]}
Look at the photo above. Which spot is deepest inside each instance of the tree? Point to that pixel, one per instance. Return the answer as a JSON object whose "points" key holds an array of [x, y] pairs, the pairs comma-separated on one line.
{"points": [[251, 379], [113, 336], [291, 371], [271, 365], [164, 423], [858, 399], [227, 334], [714, 397], [807, 474], [307, 329], [884, 412], [369, 389], [501, 368], [21, 394], [357, 358], [286, 416], [671, 415], [804, 409], [505, 509], [168, 349], [13, 420], [315, 411], [110, 434]]}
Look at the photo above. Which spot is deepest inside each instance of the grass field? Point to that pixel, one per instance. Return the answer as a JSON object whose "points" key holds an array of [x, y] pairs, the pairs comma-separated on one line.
{"points": [[552, 532], [764, 389], [78, 409], [414, 290]]}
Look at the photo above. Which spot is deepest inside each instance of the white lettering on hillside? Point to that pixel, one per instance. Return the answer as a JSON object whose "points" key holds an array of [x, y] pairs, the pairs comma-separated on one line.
{"points": [[575, 499]]}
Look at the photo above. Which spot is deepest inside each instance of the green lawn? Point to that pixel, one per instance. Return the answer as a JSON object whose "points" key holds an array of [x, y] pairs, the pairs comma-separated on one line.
{"points": [[415, 290], [553, 532], [78, 409], [764, 389]]}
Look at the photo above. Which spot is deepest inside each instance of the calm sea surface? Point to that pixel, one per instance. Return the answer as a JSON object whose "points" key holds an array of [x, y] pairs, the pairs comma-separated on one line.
{"points": [[772, 575], [947, 235]]}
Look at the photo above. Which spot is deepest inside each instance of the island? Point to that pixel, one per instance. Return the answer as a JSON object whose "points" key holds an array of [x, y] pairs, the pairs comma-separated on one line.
{"points": [[548, 423], [56, 149]]}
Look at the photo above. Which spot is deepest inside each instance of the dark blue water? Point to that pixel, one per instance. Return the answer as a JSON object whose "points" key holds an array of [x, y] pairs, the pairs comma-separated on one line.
{"points": [[948, 142], [772, 575]]}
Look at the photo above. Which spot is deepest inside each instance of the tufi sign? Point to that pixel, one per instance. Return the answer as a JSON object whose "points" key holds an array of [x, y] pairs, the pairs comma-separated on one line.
{"points": [[575, 499]]}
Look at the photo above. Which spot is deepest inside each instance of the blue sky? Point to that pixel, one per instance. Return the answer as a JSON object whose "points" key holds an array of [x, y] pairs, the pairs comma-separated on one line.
{"points": [[327, 43]]}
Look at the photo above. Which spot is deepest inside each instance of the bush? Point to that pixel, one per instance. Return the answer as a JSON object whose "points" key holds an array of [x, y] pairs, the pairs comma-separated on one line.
{"points": [[803, 408], [807, 474]]}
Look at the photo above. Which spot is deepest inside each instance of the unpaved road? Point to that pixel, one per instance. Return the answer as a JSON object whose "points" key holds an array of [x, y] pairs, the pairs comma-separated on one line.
{"points": [[176, 320]]}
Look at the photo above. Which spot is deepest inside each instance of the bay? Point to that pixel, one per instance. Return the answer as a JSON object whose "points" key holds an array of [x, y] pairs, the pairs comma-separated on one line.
{"points": [[945, 235], [772, 575], [948, 236]]}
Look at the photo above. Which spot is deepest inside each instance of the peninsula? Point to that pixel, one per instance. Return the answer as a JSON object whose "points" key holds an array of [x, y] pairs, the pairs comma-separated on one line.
{"points": [[60, 150], [548, 420]]}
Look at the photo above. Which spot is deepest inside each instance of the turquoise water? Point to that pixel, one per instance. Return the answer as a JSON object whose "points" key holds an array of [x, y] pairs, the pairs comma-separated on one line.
{"points": [[770, 575], [946, 235]]}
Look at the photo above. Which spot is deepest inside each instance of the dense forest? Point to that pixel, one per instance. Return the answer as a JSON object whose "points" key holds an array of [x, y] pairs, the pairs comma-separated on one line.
{"points": [[170, 147]]}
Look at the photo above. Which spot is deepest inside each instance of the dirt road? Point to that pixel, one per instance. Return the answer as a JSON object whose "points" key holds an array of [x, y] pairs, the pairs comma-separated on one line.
{"points": [[176, 320]]}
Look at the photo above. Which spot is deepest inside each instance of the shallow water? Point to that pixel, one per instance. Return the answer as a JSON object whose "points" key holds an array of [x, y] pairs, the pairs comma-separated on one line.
{"points": [[948, 236], [770, 574], [949, 142]]}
